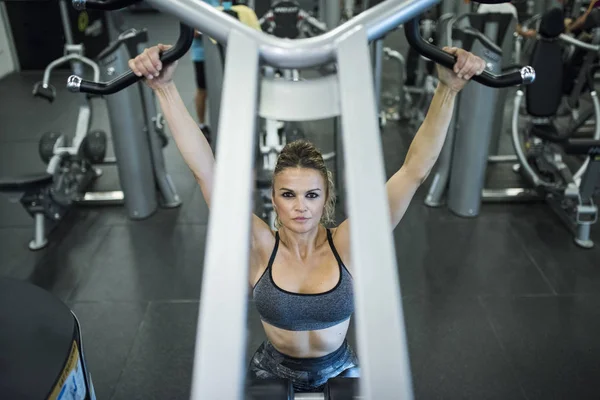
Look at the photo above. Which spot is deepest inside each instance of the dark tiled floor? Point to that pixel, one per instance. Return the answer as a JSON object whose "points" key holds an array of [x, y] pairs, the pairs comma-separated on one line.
{"points": [[551, 340], [504, 306]]}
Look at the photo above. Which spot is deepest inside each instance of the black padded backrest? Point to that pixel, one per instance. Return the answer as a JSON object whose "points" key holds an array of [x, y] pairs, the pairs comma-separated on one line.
{"points": [[552, 23], [543, 96], [285, 15]]}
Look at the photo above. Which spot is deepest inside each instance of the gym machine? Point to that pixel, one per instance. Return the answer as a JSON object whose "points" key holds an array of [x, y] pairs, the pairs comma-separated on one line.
{"points": [[349, 94], [70, 170], [43, 345], [139, 152], [542, 148], [72, 165], [286, 19]]}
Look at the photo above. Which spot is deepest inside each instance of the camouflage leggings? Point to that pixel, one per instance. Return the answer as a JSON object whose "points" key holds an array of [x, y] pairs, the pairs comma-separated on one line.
{"points": [[306, 374]]}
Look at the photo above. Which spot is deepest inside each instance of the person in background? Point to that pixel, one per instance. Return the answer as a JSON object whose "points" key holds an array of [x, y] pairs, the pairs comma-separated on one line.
{"points": [[198, 59], [580, 21]]}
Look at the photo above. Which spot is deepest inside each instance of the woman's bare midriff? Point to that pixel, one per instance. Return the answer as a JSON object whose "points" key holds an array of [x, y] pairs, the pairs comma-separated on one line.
{"points": [[302, 344], [307, 344]]}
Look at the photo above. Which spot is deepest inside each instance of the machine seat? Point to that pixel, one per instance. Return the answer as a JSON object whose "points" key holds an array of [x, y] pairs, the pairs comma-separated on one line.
{"points": [[35, 342], [24, 182]]}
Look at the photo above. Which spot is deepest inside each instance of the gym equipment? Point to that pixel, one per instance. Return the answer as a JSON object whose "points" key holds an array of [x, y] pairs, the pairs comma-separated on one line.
{"points": [[270, 389], [349, 94], [41, 345], [419, 79], [137, 138], [37, 30], [392, 105], [330, 13], [142, 170], [70, 173], [460, 174], [286, 19], [281, 389], [524, 46], [542, 149]]}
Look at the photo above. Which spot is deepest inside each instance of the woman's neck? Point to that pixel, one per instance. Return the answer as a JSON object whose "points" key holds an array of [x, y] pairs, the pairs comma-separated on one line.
{"points": [[302, 244]]}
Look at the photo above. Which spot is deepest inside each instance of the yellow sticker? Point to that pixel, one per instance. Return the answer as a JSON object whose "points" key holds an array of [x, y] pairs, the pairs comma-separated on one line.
{"points": [[71, 364], [83, 21]]}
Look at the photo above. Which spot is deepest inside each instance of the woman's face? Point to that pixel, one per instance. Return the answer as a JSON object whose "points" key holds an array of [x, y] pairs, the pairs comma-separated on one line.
{"points": [[299, 198]]}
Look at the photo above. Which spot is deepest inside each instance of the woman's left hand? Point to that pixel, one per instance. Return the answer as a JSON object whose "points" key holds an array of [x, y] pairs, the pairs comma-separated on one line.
{"points": [[467, 65]]}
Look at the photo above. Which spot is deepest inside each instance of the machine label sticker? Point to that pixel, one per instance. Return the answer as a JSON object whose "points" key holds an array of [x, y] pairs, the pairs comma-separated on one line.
{"points": [[71, 383]]}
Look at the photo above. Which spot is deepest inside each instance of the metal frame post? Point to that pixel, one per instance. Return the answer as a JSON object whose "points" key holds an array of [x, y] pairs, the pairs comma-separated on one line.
{"points": [[219, 353], [385, 368]]}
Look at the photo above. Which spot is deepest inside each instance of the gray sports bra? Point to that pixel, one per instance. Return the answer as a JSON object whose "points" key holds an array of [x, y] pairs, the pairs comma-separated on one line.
{"points": [[300, 311]]}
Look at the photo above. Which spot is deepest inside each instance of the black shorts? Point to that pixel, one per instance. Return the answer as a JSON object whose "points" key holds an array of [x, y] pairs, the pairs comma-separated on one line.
{"points": [[200, 76], [306, 374]]}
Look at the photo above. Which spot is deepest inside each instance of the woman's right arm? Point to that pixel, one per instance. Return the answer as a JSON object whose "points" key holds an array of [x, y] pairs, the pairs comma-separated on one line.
{"points": [[187, 135], [190, 140]]}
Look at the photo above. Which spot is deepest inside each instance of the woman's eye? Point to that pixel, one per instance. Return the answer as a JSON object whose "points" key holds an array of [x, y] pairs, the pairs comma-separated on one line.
{"points": [[287, 194], [312, 195]]}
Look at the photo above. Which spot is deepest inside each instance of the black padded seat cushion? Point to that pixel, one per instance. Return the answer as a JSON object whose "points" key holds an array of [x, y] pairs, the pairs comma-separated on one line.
{"points": [[25, 182], [36, 334], [286, 14], [544, 95]]}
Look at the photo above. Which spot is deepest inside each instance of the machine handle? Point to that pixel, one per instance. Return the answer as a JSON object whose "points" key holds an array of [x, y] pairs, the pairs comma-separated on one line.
{"points": [[44, 91], [578, 43], [589, 147], [525, 75], [76, 84], [107, 5]]}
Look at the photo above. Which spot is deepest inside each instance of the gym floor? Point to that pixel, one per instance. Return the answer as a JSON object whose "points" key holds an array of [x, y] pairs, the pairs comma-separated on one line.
{"points": [[504, 306]]}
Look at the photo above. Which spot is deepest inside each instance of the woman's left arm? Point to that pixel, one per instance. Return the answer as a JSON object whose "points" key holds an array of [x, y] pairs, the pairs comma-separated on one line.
{"points": [[429, 140], [427, 144]]}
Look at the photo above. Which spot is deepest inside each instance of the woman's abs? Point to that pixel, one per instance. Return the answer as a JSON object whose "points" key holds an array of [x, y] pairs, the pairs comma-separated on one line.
{"points": [[307, 344]]}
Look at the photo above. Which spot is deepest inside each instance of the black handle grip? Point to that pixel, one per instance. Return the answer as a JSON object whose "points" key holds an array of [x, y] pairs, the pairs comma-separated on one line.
{"points": [[411, 28], [76, 84], [590, 147], [107, 5], [44, 92]]}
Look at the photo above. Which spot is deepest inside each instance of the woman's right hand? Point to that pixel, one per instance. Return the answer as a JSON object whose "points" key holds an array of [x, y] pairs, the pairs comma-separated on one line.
{"points": [[148, 65]]}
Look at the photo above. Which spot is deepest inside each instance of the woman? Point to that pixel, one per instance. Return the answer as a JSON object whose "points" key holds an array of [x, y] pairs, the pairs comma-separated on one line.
{"points": [[302, 273]]}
